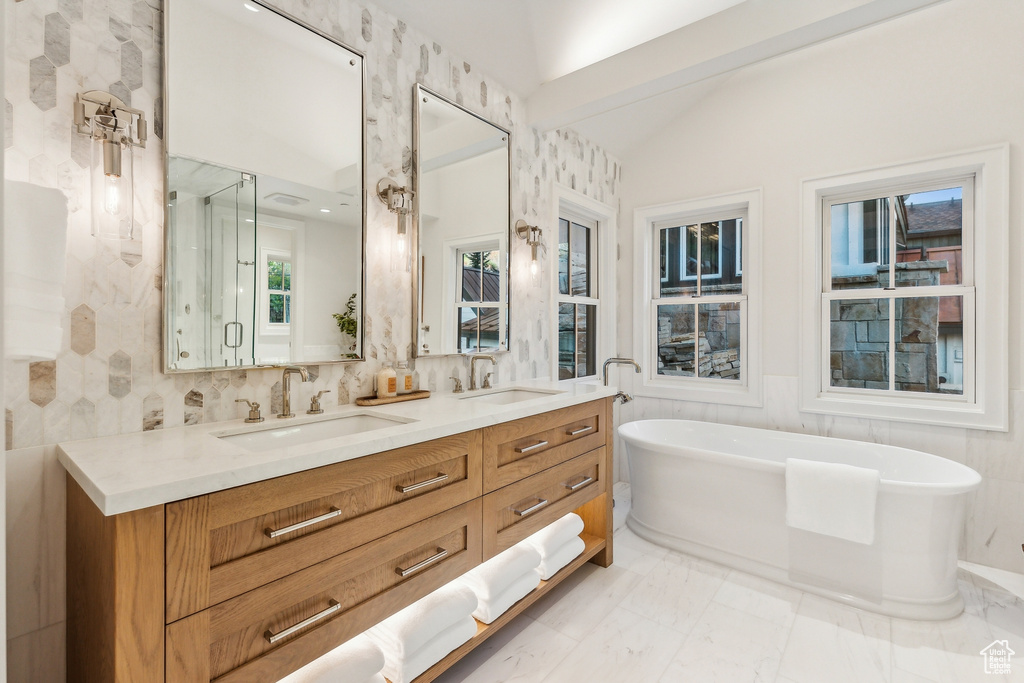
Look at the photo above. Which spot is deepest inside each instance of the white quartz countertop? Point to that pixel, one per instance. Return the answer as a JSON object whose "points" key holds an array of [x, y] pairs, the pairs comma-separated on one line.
{"points": [[134, 471]]}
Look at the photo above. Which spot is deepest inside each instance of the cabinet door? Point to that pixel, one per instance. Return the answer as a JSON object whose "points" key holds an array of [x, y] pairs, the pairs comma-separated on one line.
{"points": [[266, 633], [514, 450], [518, 510], [223, 544]]}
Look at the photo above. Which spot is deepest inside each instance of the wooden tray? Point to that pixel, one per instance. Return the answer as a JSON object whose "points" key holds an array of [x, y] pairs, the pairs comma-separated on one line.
{"points": [[374, 401]]}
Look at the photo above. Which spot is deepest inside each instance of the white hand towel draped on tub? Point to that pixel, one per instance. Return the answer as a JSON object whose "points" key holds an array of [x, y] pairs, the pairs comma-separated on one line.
{"points": [[832, 499]]}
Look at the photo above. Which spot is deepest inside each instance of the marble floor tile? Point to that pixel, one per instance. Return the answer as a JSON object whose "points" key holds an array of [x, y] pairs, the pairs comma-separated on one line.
{"points": [[940, 651], [835, 643], [579, 603], [676, 592], [624, 646], [759, 598], [636, 554], [525, 651], [729, 646]]}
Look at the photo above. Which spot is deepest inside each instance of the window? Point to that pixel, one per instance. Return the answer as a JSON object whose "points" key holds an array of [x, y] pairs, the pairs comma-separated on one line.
{"points": [[479, 321], [581, 262], [697, 319], [279, 290], [577, 298], [910, 320]]}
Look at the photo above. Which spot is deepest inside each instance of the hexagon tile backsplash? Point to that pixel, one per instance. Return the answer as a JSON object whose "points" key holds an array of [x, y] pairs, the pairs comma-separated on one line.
{"points": [[107, 378]]}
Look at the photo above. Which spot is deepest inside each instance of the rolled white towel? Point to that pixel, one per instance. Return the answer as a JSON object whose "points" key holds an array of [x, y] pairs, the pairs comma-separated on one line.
{"points": [[359, 660], [492, 608], [552, 537], [402, 669], [550, 565], [494, 576], [409, 630]]}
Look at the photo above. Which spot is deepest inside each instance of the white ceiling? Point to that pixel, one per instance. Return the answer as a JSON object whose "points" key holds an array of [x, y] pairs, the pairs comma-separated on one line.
{"points": [[524, 43], [619, 71]]}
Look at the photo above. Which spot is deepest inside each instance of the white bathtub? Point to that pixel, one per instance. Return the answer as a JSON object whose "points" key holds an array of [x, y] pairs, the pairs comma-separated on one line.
{"points": [[718, 492]]}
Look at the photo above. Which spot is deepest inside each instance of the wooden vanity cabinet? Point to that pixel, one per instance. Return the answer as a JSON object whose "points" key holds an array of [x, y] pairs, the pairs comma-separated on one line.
{"points": [[251, 583]]}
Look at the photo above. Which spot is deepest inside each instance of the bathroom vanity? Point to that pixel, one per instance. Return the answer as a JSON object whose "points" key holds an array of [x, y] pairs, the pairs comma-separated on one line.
{"points": [[206, 553]]}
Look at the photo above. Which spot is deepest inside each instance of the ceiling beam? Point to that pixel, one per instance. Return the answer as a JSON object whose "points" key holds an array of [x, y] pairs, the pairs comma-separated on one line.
{"points": [[741, 35]]}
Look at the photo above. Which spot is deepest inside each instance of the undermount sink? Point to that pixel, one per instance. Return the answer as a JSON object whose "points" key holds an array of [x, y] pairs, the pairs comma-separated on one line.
{"points": [[511, 395], [281, 436]]}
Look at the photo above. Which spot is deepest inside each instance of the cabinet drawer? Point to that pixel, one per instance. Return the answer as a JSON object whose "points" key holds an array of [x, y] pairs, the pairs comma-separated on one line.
{"points": [[518, 449], [324, 605], [521, 509], [223, 544]]}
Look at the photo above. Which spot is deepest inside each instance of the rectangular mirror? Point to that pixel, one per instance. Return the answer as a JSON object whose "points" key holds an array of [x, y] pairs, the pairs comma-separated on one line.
{"points": [[460, 273], [265, 218]]}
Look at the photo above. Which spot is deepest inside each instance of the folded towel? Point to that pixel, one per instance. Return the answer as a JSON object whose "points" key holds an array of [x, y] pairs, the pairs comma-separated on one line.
{"points": [[407, 631], [832, 499], [359, 660], [490, 609], [494, 576], [402, 669], [569, 551], [553, 536]]}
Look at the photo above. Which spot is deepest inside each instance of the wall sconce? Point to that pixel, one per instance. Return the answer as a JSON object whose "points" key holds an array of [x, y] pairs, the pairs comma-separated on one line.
{"points": [[399, 201], [115, 129], [532, 235]]}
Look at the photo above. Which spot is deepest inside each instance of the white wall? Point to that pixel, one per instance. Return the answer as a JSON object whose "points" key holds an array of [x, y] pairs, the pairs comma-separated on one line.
{"points": [[939, 80]]}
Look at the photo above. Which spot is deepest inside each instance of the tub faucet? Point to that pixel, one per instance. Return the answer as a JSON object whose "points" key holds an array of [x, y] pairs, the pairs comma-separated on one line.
{"points": [[623, 397], [618, 361], [472, 367], [286, 393]]}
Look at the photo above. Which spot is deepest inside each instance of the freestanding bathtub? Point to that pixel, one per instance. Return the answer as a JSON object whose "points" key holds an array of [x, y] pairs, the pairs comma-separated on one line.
{"points": [[718, 492]]}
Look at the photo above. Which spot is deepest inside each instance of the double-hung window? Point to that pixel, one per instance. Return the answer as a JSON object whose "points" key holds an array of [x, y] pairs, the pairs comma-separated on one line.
{"points": [[909, 319], [695, 322], [577, 297]]}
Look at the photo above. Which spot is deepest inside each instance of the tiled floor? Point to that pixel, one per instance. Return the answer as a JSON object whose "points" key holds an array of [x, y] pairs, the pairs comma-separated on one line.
{"points": [[662, 617]]}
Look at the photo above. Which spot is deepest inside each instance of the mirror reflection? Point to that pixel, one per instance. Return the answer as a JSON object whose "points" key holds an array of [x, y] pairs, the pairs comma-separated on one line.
{"points": [[264, 213], [462, 199]]}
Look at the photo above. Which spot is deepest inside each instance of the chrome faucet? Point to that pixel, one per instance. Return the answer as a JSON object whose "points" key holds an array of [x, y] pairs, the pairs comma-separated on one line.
{"points": [[618, 361], [472, 367], [286, 393]]}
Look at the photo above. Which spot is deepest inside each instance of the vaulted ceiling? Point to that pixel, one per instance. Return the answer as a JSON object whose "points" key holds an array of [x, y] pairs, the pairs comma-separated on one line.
{"points": [[617, 71]]}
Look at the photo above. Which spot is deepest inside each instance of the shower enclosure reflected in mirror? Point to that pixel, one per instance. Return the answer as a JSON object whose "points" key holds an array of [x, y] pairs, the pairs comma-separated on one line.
{"points": [[461, 185], [264, 140]]}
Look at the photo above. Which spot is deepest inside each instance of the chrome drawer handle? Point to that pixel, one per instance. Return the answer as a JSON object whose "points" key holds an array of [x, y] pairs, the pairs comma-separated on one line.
{"points": [[441, 554], [274, 637], [274, 533], [574, 487], [533, 508], [577, 432], [527, 449], [441, 476]]}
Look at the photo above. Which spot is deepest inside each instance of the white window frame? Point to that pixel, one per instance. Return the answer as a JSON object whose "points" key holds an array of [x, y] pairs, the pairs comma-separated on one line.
{"points": [[683, 253], [572, 204], [985, 260], [452, 286], [748, 390]]}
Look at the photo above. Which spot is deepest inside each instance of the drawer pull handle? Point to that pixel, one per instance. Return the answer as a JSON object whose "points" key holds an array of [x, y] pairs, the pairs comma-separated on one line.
{"points": [[441, 476], [577, 432], [274, 637], [527, 449], [579, 485], [274, 533], [533, 508], [441, 554]]}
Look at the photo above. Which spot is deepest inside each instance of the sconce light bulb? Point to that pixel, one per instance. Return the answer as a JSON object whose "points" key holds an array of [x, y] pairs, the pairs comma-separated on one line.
{"points": [[533, 268], [400, 244], [112, 194]]}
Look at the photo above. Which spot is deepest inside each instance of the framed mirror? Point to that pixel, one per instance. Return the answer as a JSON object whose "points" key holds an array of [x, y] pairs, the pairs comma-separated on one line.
{"points": [[265, 218], [461, 266]]}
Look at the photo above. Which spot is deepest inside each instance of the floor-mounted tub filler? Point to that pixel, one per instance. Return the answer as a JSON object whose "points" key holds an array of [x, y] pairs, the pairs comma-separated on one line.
{"points": [[720, 492]]}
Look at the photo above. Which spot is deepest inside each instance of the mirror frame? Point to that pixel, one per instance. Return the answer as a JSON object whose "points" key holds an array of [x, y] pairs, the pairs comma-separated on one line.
{"points": [[164, 351], [419, 90]]}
